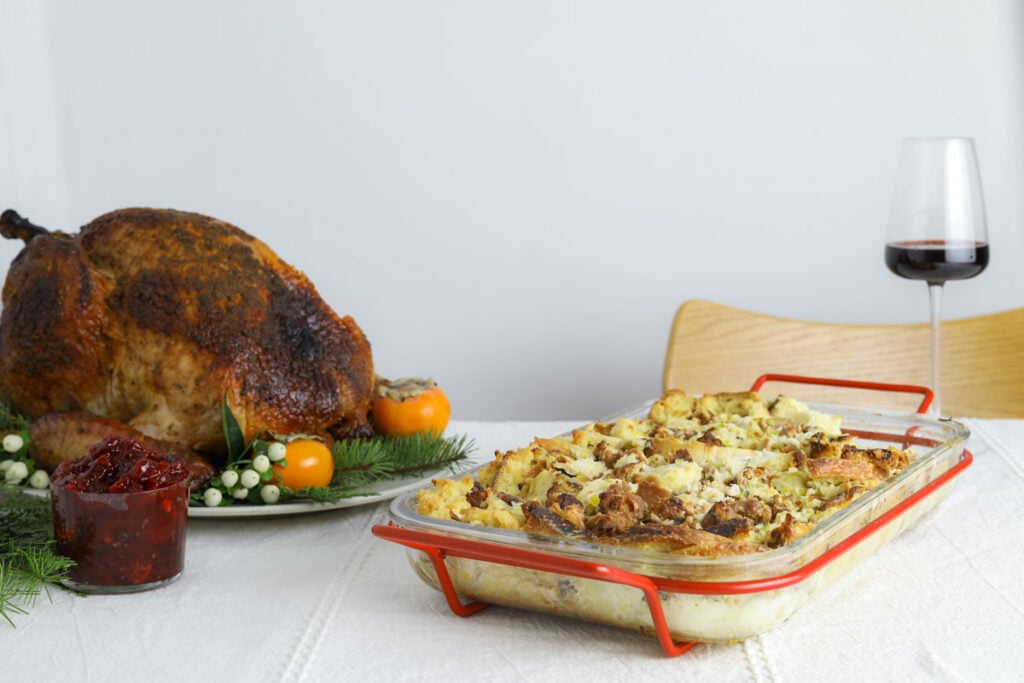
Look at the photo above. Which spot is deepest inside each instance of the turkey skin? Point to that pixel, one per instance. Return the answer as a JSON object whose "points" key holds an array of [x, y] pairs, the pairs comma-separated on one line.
{"points": [[156, 318]]}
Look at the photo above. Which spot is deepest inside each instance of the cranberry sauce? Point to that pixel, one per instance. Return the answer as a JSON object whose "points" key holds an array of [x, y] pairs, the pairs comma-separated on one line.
{"points": [[120, 513]]}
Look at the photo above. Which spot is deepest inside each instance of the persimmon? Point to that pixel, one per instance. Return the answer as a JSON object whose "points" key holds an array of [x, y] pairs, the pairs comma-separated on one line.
{"points": [[307, 462], [410, 406]]}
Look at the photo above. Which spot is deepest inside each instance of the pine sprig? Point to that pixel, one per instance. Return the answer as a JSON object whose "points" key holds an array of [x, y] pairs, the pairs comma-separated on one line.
{"points": [[29, 565], [25, 520], [11, 421], [361, 462], [358, 462]]}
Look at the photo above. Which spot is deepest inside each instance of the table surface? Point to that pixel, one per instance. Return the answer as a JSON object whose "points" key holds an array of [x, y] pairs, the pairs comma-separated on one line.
{"points": [[319, 597]]}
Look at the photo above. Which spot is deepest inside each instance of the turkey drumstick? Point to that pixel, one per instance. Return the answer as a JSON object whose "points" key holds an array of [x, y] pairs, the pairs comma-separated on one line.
{"points": [[13, 226]]}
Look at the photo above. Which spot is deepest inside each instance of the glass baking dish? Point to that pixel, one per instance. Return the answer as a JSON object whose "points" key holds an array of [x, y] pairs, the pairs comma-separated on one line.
{"points": [[685, 598]]}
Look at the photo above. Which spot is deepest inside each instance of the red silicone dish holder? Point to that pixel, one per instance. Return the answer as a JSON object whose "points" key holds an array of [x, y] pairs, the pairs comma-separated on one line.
{"points": [[438, 546]]}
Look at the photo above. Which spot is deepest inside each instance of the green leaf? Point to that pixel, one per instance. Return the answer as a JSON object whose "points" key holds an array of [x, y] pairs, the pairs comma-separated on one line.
{"points": [[233, 436]]}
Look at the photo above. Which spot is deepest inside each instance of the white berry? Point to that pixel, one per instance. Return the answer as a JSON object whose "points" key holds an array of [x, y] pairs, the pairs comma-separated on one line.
{"points": [[240, 493], [6, 465], [16, 472], [270, 494], [39, 479], [249, 479], [13, 443], [229, 478], [212, 498], [276, 451], [261, 463]]}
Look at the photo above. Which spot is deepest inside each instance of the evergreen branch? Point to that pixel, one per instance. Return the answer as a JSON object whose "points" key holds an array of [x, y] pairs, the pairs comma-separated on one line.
{"points": [[357, 463], [11, 421], [361, 462], [29, 565], [330, 494], [24, 519]]}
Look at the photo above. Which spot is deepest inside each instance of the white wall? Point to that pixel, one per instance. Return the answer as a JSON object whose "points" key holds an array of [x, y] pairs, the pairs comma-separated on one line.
{"points": [[514, 197]]}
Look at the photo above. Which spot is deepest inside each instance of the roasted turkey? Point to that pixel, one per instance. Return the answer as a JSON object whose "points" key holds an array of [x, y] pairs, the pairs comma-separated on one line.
{"points": [[154, 318]]}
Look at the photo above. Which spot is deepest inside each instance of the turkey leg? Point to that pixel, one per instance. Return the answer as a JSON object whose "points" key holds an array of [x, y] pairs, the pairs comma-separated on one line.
{"points": [[14, 227], [56, 437]]}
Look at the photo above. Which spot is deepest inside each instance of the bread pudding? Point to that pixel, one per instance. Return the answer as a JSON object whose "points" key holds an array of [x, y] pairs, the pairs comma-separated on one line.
{"points": [[712, 475]]}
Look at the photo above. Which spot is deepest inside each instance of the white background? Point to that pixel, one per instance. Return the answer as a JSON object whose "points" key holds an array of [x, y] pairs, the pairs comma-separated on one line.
{"points": [[514, 197]]}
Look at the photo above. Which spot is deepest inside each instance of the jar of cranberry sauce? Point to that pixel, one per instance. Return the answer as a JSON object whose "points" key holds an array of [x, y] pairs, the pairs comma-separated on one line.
{"points": [[121, 513]]}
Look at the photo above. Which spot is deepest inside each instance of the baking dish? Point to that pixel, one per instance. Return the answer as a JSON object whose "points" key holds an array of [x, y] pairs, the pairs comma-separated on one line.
{"points": [[686, 598]]}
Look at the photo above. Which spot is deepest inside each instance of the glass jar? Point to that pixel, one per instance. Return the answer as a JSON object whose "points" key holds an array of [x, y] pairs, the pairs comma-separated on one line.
{"points": [[120, 514]]}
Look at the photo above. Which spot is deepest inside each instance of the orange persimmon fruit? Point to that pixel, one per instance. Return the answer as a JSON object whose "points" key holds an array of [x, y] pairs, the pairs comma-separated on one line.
{"points": [[308, 462], [410, 406]]}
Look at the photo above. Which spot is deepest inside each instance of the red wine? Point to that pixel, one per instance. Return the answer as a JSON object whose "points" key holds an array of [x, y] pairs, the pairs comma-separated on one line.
{"points": [[936, 260]]}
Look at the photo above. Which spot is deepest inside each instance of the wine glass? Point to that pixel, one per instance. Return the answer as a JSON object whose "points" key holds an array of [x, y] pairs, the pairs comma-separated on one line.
{"points": [[937, 230]]}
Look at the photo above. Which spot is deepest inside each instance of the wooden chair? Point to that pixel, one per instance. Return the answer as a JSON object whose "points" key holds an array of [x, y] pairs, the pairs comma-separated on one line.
{"points": [[715, 348]]}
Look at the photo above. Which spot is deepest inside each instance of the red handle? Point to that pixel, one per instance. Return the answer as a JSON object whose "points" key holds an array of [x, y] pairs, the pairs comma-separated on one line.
{"points": [[437, 547], [928, 394]]}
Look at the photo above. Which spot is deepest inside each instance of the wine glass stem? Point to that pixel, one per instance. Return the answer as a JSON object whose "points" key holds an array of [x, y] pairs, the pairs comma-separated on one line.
{"points": [[935, 302]]}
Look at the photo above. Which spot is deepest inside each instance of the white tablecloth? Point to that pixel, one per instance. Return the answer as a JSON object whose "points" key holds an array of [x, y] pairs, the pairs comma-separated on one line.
{"points": [[319, 598]]}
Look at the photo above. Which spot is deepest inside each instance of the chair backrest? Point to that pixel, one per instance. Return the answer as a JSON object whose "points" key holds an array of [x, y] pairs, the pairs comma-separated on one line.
{"points": [[716, 348]]}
